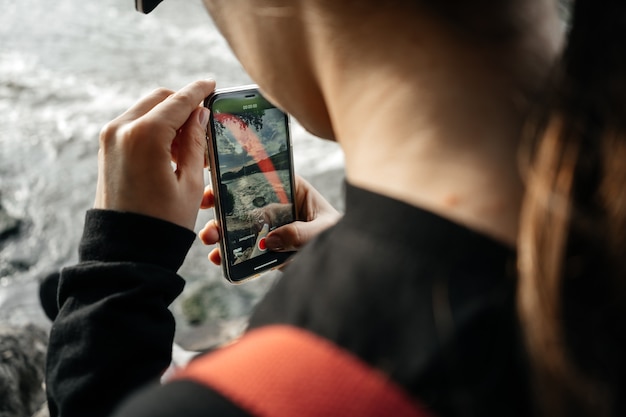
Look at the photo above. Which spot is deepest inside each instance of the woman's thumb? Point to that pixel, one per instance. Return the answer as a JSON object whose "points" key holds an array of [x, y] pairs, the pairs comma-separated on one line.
{"points": [[290, 237]]}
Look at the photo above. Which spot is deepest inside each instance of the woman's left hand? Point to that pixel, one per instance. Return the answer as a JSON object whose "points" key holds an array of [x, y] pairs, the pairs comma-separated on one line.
{"points": [[316, 214]]}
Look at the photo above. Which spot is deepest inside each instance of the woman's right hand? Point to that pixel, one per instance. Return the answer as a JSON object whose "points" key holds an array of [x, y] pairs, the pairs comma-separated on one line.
{"points": [[315, 215], [137, 150]]}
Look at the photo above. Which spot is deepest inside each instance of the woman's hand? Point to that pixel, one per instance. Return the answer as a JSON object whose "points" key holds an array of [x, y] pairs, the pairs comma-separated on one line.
{"points": [[135, 172], [315, 214]]}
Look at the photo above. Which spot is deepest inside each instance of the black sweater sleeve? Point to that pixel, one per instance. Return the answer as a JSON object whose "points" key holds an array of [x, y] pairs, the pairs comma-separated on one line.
{"points": [[114, 332]]}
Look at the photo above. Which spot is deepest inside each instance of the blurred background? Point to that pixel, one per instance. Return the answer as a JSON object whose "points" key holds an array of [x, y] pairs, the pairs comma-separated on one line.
{"points": [[67, 67]]}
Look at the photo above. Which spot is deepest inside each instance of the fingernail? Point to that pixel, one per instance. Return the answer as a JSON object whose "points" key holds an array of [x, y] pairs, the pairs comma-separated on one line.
{"points": [[203, 118], [274, 242]]}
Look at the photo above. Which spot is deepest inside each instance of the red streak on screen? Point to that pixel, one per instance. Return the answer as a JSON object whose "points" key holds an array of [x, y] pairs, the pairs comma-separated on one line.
{"points": [[253, 146]]}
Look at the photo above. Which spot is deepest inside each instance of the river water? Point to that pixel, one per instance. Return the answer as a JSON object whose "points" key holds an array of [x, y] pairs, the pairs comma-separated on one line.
{"points": [[66, 68]]}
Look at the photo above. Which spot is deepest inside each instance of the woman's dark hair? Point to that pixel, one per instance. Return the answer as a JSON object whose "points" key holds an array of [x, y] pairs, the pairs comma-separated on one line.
{"points": [[572, 246]]}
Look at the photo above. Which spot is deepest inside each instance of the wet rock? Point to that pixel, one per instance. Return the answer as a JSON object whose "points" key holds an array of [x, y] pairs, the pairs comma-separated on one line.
{"points": [[10, 228], [9, 225], [9, 267], [43, 412], [206, 303], [22, 361]]}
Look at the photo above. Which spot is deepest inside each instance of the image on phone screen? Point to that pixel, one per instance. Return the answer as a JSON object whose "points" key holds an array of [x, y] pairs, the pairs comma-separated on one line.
{"points": [[254, 169]]}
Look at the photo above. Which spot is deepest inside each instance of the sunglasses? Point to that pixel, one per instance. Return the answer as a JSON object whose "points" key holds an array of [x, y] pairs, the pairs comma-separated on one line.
{"points": [[146, 6]]}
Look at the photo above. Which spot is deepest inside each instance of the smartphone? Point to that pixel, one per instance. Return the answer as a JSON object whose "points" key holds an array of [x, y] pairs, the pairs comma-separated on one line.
{"points": [[251, 165]]}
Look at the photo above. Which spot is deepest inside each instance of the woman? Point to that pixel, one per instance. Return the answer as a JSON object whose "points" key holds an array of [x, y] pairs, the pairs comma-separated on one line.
{"points": [[417, 282]]}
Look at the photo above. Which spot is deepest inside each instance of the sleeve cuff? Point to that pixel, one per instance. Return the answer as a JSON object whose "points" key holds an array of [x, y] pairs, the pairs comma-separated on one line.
{"points": [[111, 236]]}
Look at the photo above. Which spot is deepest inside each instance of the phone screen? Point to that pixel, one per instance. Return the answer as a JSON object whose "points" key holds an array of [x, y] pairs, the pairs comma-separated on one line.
{"points": [[252, 164]]}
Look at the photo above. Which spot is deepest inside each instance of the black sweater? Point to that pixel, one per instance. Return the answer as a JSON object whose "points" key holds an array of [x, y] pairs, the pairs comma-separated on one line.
{"points": [[426, 301]]}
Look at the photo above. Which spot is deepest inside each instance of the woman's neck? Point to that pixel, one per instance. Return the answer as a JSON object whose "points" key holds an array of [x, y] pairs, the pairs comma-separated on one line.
{"points": [[439, 129]]}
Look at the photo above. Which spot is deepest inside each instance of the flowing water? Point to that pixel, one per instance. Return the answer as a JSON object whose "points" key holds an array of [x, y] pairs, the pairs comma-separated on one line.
{"points": [[66, 68]]}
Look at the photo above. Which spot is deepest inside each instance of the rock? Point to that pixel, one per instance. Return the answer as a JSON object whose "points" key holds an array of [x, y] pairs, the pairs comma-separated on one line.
{"points": [[206, 303], [10, 228], [22, 367], [9, 225], [43, 411]]}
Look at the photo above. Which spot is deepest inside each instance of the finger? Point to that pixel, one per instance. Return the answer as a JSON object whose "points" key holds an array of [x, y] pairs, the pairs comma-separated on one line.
{"points": [[173, 112], [145, 104], [208, 199], [215, 256], [291, 236], [210, 233], [191, 146], [195, 126]]}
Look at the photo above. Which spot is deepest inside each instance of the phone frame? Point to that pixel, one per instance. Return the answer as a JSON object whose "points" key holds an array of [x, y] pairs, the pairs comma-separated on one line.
{"points": [[252, 267]]}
